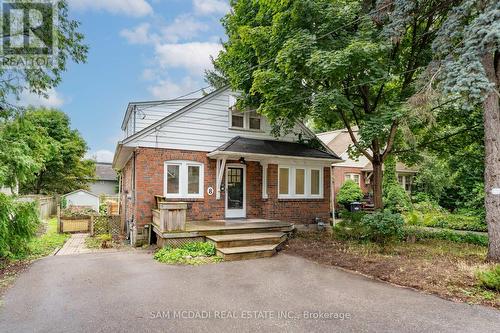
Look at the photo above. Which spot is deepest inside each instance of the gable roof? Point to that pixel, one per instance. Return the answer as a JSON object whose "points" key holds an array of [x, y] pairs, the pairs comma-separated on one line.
{"points": [[276, 148], [76, 191], [174, 115], [104, 171], [148, 104]]}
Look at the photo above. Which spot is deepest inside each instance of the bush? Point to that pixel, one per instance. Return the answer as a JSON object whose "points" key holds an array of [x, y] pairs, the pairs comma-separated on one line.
{"points": [[382, 228], [396, 199], [192, 253], [19, 223], [417, 233], [489, 279], [76, 211], [446, 221], [349, 192]]}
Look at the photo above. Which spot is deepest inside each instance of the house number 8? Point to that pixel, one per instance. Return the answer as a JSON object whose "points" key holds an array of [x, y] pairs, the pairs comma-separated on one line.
{"points": [[210, 190]]}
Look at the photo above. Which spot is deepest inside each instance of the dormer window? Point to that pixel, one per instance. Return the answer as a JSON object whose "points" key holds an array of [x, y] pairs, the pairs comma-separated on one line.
{"points": [[243, 120]]}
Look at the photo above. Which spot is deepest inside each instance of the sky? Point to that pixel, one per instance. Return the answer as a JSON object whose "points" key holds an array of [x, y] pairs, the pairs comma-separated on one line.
{"points": [[138, 50]]}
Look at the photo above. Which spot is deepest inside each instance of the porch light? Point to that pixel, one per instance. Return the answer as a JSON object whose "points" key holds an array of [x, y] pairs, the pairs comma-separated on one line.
{"points": [[242, 160]]}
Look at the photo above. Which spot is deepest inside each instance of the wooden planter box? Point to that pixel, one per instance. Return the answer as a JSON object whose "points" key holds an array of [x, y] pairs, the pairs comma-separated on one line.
{"points": [[170, 216], [75, 224]]}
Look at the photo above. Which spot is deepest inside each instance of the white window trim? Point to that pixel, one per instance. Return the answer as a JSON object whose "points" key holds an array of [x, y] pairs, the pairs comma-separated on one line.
{"points": [[246, 121], [292, 179], [351, 177], [183, 180]]}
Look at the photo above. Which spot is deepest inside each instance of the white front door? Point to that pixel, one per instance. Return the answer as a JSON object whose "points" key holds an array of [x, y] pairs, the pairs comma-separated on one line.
{"points": [[236, 191]]}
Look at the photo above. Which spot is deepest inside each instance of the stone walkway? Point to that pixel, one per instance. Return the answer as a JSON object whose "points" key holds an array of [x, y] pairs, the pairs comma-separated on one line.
{"points": [[76, 245]]}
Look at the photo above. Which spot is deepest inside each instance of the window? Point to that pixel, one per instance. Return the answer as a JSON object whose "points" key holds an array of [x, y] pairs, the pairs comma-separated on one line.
{"points": [[315, 182], [173, 179], [247, 120], [352, 176], [405, 181], [283, 180], [183, 179], [300, 182]]}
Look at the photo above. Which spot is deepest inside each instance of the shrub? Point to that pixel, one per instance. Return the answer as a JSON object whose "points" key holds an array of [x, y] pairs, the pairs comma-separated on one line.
{"points": [[396, 199], [417, 233], [192, 253], [381, 227], [76, 211], [384, 227], [446, 221], [489, 279], [18, 225], [349, 192]]}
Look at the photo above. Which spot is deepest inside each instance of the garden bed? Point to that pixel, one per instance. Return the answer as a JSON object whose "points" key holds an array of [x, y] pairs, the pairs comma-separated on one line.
{"points": [[435, 266]]}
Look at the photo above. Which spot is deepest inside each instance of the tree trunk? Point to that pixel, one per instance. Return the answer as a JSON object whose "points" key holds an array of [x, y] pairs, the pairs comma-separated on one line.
{"points": [[377, 183], [492, 157]]}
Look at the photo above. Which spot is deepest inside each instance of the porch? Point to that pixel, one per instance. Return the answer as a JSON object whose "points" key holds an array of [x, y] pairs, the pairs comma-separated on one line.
{"points": [[234, 239]]}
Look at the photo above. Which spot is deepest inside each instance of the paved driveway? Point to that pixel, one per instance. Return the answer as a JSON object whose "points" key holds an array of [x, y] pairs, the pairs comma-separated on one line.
{"points": [[129, 292]]}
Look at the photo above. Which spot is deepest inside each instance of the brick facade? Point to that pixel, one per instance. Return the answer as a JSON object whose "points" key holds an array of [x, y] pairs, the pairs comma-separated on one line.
{"points": [[339, 176], [149, 180]]}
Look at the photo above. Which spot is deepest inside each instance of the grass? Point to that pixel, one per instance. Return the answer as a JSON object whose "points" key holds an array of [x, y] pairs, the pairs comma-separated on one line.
{"points": [[100, 242], [37, 248], [436, 266], [46, 243], [193, 253]]}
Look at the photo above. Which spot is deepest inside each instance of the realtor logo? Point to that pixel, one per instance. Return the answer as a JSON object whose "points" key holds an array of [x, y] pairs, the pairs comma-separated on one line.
{"points": [[28, 33]]}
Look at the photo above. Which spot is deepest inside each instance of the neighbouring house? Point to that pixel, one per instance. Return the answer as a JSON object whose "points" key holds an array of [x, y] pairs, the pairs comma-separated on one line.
{"points": [[223, 162], [358, 169], [82, 198], [106, 181]]}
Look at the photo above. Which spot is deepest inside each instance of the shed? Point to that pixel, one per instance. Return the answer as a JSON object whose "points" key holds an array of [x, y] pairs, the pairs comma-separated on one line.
{"points": [[82, 198]]}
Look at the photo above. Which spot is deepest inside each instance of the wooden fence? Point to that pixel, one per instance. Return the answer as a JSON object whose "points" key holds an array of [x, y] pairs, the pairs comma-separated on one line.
{"points": [[47, 205], [105, 224]]}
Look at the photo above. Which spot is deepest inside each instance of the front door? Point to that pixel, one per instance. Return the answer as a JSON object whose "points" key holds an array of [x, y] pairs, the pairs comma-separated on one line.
{"points": [[235, 191]]}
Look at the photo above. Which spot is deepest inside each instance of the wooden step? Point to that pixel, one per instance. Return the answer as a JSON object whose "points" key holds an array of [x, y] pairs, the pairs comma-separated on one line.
{"points": [[250, 239], [247, 252]]}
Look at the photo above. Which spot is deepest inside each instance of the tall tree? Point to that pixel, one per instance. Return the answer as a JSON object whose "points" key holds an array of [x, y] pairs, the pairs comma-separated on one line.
{"points": [[471, 72], [38, 78], [65, 168], [353, 61]]}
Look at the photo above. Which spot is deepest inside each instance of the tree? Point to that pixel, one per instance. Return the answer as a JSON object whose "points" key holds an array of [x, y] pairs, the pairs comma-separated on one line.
{"points": [[39, 79], [64, 167], [471, 73], [353, 61]]}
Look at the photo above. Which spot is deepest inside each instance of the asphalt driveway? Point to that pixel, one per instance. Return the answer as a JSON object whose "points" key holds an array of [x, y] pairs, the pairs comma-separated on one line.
{"points": [[129, 292]]}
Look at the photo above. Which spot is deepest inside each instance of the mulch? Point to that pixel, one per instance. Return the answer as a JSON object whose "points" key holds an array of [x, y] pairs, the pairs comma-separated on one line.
{"points": [[440, 274]]}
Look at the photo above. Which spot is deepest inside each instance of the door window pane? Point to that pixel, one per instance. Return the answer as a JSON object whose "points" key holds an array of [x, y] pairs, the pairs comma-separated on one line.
{"points": [[315, 182], [173, 179], [193, 179], [283, 179], [299, 181], [235, 188]]}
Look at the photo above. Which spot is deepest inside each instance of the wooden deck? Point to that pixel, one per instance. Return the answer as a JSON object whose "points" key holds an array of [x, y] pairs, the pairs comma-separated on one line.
{"points": [[221, 227]]}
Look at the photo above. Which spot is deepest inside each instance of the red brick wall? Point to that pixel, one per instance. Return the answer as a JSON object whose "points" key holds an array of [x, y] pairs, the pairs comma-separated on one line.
{"points": [[149, 182], [339, 176]]}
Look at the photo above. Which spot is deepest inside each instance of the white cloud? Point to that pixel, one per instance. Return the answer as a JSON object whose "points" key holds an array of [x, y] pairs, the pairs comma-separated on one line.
{"points": [[183, 27], [136, 8], [208, 7], [148, 74], [167, 88], [138, 35], [53, 100], [102, 155], [195, 56]]}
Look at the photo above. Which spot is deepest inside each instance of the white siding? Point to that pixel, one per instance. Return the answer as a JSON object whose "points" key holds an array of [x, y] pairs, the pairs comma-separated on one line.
{"points": [[148, 114], [83, 199], [204, 128]]}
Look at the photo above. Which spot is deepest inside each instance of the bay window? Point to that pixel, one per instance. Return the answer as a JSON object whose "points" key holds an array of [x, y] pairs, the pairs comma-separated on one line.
{"points": [[300, 182], [183, 179]]}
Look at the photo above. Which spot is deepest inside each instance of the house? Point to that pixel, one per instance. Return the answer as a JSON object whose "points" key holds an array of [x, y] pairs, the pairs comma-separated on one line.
{"points": [[223, 162], [358, 169], [106, 181], [82, 198]]}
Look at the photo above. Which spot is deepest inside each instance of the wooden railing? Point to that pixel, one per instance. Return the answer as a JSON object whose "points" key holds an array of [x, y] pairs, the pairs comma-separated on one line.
{"points": [[170, 216]]}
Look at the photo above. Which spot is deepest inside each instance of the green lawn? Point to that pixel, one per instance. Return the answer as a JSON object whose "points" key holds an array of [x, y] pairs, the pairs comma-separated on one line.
{"points": [[47, 243]]}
